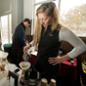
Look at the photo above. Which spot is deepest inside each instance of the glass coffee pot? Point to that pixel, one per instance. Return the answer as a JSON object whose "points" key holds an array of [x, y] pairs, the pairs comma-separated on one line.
{"points": [[25, 66]]}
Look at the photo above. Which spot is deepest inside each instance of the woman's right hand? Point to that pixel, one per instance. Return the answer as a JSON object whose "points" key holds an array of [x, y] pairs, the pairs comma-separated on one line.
{"points": [[25, 49]]}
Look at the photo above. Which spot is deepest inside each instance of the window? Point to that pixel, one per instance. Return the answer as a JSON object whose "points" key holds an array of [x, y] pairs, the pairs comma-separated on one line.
{"points": [[38, 1], [72, 14], [6, 33]]}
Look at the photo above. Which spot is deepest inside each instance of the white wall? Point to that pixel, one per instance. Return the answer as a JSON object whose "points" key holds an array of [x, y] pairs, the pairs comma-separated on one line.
{"points": [[28, 11], [17, 13], [5, 7], [28, 4], [21, 9]]}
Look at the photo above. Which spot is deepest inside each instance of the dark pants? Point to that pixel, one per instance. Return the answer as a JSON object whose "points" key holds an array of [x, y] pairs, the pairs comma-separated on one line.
{"points": [[49, 72], [15, 56]]}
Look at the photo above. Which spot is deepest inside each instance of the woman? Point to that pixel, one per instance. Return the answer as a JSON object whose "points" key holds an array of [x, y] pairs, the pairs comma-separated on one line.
{"points": [[48, 36]]}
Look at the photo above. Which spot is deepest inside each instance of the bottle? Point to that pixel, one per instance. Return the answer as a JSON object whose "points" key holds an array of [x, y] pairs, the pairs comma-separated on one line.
{"points": [[52, 82], [33, 72], [44, 82], [33, 77]]}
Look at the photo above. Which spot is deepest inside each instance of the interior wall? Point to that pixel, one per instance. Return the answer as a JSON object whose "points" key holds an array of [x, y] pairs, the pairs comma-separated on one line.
{"points": [[17, 13], [28, 13], [21, 9], [28, 4], [5, 7]]}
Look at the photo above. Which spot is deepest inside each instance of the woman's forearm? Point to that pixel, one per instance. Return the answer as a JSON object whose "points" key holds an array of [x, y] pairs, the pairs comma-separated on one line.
{"points": [[78, 45]]}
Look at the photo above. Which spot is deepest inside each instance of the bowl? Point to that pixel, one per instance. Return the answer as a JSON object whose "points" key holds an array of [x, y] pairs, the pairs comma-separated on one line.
{"points": [[24, 65]]}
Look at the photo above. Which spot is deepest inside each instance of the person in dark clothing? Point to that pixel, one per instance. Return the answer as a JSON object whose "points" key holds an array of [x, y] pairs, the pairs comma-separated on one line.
{"points": [[49, 34], [18, 42]]}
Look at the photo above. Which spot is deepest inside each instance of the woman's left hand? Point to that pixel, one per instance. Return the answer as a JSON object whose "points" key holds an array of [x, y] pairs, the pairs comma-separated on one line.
{"points": [[57, 60]]}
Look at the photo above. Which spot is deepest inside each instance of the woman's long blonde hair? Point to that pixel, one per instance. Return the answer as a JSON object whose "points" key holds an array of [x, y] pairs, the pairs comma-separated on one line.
{"points": [[51, 10]]}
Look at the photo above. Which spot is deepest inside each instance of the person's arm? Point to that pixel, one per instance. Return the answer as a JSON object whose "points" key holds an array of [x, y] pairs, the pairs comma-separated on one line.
{"points": [[21, 35], [27, 47], [76, 42]]}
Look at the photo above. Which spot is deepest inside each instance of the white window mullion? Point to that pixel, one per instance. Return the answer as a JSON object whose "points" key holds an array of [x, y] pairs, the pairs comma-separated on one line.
{"points": [[43, 2], [9, 28]]}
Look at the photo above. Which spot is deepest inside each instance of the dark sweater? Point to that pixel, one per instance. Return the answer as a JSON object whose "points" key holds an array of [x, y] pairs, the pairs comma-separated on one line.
{"points": [[16, 53]]}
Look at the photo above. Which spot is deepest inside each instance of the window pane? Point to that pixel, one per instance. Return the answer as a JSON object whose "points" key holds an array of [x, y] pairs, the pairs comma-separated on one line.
{"points": [[6, 29], [70, 4], [73, 15]]}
